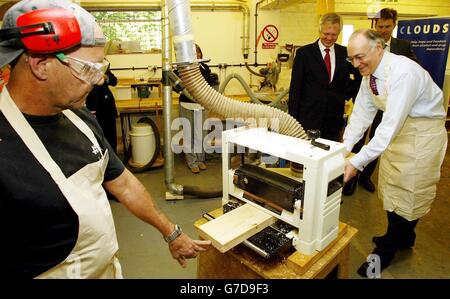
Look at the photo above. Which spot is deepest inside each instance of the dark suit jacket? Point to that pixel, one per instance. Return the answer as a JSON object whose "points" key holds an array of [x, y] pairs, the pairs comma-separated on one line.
{"points": [[313, 101], [101, 100], [402, 47]]}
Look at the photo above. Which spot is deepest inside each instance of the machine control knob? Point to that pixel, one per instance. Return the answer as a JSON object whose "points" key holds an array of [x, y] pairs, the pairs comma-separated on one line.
{"points": [[313, 134]]}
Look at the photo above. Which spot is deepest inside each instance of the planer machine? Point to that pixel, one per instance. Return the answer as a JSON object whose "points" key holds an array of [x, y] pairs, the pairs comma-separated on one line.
{"points": [[306, 206]]}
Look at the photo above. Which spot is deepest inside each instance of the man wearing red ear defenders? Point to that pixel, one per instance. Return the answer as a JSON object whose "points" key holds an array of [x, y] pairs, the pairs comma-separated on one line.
{"points": [[55, 164]]}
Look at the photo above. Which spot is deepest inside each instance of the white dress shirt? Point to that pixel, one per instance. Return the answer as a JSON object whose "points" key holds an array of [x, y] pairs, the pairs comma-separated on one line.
{"points": [[410, 91], [332, 57]]}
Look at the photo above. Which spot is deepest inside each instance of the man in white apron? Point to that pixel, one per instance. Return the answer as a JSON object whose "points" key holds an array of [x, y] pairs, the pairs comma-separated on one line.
{"points": [[385, 22], [55, 163], [411, 139]]}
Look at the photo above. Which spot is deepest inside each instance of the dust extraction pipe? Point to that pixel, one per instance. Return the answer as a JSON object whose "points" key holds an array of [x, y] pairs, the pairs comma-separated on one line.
{"points": [[167, 104], [189, 71], [174, 188]]}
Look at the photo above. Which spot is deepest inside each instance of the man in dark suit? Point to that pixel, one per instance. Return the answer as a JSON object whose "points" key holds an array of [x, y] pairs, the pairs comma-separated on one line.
{"points": [[384, 24], [322, 80], [102, 103]]}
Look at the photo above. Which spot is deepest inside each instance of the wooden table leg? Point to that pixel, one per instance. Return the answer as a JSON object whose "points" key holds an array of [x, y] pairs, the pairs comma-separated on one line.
{"points": [[344, 263]]}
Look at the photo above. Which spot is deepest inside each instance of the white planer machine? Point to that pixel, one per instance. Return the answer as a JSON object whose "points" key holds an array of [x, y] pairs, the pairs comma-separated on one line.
{"points": [[306, 207]]}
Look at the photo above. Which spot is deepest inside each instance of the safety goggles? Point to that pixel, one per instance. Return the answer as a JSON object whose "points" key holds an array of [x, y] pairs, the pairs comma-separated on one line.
{"points": [[87, 71]]}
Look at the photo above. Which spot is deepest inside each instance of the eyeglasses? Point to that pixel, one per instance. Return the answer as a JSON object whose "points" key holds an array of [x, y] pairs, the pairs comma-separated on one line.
{"points": [[87, 71], [357, 57]]}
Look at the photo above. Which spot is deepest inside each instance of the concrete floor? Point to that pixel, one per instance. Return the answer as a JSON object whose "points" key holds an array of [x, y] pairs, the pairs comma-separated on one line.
{"points": [[144, 254]]}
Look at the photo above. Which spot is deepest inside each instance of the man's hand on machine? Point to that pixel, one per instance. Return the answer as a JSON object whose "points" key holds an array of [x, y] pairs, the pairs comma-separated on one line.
{"points": [[349, 171], [184, 247]]}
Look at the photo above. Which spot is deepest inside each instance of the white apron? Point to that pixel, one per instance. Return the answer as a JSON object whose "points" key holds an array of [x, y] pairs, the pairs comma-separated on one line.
{"points": [[94, 254], [410, 167]]}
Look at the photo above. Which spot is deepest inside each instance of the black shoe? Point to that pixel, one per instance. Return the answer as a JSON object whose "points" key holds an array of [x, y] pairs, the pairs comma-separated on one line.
{"points": [[349, 187], [404, 244], [379, 240], [362, 270], [367, 184]]}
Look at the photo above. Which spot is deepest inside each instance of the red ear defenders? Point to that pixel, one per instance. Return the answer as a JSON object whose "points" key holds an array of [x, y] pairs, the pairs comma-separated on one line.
{"points": [[45, 31]]}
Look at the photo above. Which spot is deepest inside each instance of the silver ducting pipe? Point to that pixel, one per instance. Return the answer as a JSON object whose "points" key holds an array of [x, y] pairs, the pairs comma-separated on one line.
{"points": [[178, 20], [183, 39], [182, 33], [167, 104]]}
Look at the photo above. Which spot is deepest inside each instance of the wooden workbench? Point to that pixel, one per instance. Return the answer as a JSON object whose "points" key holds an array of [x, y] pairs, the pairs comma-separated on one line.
{"points": [[243, 263], [143, 105], [133, 83]]}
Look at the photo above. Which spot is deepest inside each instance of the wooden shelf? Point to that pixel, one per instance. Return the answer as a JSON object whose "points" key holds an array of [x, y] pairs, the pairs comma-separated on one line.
{"points": [[144, 104]]}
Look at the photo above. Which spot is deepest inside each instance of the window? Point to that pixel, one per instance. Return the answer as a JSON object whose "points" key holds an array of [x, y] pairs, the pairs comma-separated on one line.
{"points": [[347, 31], [140, 30]]}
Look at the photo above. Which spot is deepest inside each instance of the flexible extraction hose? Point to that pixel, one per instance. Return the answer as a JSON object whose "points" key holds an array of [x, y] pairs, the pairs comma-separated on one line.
{"points": [[209, 98], [205, 95], [179, 17], [202, 192], [249, 92]]}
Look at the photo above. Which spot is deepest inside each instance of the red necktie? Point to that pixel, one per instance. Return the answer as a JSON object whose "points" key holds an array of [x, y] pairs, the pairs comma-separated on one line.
{"points": [[328, 63], [373, 85]]}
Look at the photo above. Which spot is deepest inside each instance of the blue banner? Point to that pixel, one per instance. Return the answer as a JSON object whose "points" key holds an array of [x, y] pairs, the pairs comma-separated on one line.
{"points": [[430, 42]]}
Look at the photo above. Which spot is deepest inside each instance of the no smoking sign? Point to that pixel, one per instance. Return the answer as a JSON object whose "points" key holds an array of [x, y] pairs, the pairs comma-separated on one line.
{"points": [[270, 33]]}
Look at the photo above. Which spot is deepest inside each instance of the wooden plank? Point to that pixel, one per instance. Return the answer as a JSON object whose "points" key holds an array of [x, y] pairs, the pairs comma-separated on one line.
{"points": [[235, 226], [171, 196], [214, 214]]}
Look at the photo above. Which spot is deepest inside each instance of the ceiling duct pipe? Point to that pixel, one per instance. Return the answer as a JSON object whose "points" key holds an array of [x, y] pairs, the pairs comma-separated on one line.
{"points": [[183, 41]]}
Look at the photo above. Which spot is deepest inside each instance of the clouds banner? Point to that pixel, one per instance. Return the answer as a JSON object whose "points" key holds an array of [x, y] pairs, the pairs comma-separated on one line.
{"points": [[430, 42]]}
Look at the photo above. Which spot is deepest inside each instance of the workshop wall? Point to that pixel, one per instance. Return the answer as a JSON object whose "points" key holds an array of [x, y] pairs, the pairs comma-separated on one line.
{"points": [[413, 7], [219, 33], [299, 19]]}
